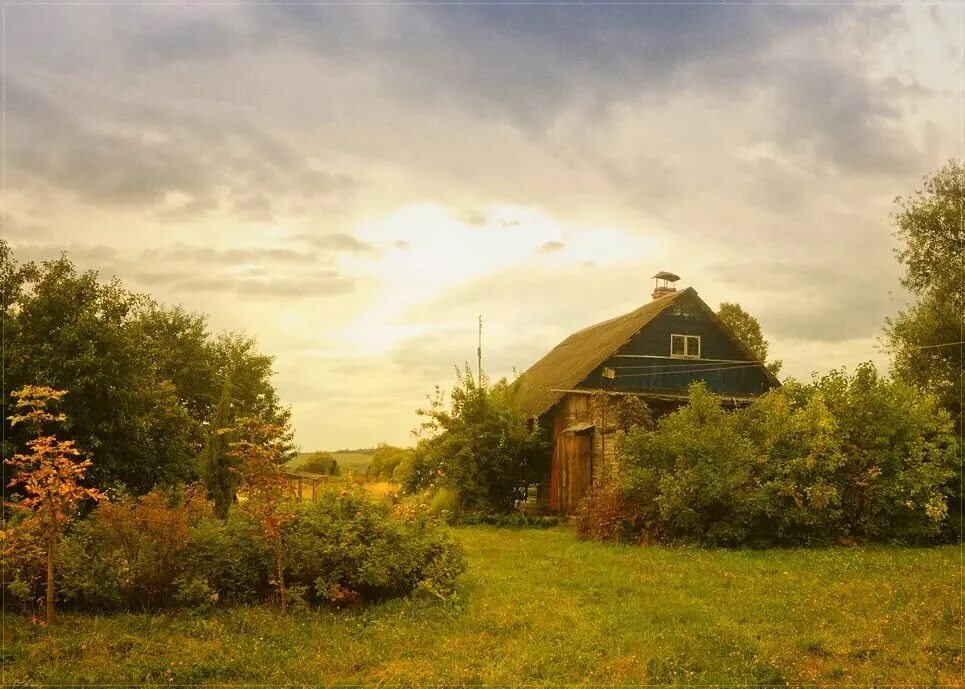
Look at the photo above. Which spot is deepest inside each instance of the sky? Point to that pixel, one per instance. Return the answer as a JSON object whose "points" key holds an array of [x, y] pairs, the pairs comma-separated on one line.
{"points": [[354, 185]]}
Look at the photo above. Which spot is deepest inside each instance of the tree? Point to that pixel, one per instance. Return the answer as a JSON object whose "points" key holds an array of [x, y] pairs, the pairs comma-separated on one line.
{"points": [[260, 456], [925, 339], [748, 330], [385, 459], [482, 446], [50, 474], [320, 463], [145, 379], [217, 472], [69, 331]]}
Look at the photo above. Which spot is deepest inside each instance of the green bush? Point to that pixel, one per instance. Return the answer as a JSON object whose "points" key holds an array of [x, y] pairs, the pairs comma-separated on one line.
{"points": [[481, 445], [320, 463], [844, 457], [445, 503], [347, 546], [385, 460], [230, 557], [162, 553]]}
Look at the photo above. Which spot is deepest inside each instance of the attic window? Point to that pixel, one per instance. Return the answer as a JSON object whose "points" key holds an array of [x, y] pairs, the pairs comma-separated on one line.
{"points": [[687, 346]]}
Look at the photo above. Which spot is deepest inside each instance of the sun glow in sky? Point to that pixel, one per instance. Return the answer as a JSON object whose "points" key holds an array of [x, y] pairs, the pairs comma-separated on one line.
{"points": [[355, 185]]}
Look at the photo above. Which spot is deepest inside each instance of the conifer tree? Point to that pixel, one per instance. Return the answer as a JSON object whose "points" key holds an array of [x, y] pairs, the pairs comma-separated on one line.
{"points": [[219, 479]]}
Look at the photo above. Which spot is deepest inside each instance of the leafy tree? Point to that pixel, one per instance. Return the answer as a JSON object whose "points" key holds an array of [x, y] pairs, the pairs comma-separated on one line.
{"points": [[50, 475], [72, 332], [320, 463], [145, 379], [385, 459], [925, 339], [481, 445], [182, 352], [748, 330], [260, 456], [236, 356]]}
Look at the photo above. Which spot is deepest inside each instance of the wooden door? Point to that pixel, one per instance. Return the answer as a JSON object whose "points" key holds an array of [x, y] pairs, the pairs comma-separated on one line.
{"points": [[578, 463]]}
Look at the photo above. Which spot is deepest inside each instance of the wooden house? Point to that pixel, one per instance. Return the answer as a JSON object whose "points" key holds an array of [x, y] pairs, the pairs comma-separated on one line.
{"points": [[654, 353]]}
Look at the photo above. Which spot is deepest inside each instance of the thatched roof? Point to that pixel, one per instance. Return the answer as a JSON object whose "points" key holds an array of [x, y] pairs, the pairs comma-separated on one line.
{"points": [[573, 359]]}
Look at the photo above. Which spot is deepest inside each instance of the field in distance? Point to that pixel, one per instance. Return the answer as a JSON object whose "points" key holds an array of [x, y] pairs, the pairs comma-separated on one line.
{"points": [[356, 461]]}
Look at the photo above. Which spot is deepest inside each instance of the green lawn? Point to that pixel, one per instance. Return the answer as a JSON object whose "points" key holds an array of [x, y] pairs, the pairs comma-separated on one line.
{"points": [[539, 606]]}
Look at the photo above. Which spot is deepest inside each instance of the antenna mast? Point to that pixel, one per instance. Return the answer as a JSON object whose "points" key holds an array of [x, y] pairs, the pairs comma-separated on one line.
{"points": [[479, 354]]}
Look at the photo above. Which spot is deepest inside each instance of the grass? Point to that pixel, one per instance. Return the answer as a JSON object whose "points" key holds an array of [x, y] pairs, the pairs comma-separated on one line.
{"points": [[540, 607]]}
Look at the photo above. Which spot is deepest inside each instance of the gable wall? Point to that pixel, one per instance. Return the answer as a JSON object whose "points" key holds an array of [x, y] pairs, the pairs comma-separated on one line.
{"points": [[685, 317]]}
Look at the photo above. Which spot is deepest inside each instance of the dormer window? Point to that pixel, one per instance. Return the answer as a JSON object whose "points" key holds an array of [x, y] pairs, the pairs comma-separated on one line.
{"points": [[686, 346]]}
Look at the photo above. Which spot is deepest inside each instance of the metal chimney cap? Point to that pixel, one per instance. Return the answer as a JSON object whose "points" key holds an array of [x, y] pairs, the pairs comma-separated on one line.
{"points": [[664, 275]]}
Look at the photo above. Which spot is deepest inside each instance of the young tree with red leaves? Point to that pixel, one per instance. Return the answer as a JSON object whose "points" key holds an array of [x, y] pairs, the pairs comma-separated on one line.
{"points": [[50, 474], [260, 455]]}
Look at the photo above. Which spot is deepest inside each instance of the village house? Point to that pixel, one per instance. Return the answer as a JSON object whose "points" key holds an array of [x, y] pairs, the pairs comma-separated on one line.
{"points": [[653, 353]]}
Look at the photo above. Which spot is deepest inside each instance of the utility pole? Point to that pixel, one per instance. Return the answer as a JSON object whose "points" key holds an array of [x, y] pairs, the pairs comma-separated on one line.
{"points": [[479, 354]]}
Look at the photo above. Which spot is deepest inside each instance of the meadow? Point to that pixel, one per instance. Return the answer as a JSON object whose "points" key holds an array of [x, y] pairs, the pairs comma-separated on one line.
{"points": [[541, 607]]}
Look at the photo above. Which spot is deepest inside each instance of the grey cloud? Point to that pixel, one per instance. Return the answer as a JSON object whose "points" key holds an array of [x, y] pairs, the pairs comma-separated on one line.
{"points": [[551, 247], [254, 207], [231, 257], [97, 256], [842, 117], [266, 272], [336, 241], [401, 244], [14, 228], [525, 65], [319, 284], [140, 155], [827, 301]]}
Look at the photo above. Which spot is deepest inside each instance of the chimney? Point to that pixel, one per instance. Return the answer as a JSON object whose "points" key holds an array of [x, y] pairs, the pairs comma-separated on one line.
{"points": [[664, 284]]}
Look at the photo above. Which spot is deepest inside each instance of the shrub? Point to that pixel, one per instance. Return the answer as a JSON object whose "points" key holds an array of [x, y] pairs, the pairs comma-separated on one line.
{"points": [[606, 515], [162, 552], [230, 557], [320, 463], [24, 563], [385, 460], [348, 546], [844, 457], [445, 503], [194, 594], [482, 446]]}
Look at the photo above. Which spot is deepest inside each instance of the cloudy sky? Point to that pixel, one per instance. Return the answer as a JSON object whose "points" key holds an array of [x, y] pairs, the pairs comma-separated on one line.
{"points": [[355, 184]]}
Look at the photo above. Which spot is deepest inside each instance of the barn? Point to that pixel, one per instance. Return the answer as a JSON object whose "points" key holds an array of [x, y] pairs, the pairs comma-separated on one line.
{"points": [[654, 352]]}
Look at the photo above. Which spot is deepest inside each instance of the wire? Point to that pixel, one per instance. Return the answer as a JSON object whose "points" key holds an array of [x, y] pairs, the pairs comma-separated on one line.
{"points": [[943, 344], [685, 362], [675, 367], [691, 370]]}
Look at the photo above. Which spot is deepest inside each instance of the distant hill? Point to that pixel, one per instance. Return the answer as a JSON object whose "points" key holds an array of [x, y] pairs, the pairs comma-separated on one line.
{"points": [[356, 461]]}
